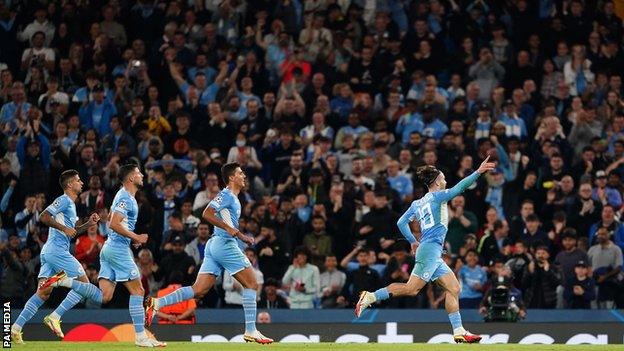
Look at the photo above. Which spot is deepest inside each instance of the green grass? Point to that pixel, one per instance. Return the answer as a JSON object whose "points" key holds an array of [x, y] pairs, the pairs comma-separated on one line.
{"points": [[105, 346]]}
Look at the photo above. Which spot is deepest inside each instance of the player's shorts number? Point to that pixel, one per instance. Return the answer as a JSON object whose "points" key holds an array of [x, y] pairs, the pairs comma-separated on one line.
{"points": [[426, 216]]}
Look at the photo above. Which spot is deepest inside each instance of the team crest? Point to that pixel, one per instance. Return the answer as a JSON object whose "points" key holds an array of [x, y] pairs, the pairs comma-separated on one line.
{"points": [[426, 275]]}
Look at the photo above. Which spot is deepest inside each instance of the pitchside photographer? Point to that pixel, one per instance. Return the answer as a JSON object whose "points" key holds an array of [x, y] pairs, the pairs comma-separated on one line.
{"points": [[502, 301]]}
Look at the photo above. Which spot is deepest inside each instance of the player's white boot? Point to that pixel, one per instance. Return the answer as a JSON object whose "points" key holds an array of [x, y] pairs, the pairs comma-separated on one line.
{"points": [[257, 336], [366, 299], [145, 341]]}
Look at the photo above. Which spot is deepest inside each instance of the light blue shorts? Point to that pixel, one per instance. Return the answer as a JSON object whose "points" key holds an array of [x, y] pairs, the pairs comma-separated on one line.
{"points": [[223, 253], [54, 262], [429, 264], [117, 264]]}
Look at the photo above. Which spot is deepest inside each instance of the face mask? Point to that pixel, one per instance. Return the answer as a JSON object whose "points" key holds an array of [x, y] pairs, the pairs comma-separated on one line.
{"points": [[240, 143], [215, 155], [304, 214]]}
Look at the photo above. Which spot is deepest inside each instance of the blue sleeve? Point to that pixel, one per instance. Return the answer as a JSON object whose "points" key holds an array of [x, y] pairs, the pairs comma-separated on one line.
{"points": [[615, 198], [410, 187], [447, 195], [220, 202], [45, 151], [184, 87], [403, 224], [504, 162], [21, 150], [59, 205], [4, 204], [84, 112], [122, 206]]}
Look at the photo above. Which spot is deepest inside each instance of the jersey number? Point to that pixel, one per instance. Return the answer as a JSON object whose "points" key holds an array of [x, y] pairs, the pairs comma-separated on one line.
{"points": [[426, 216]]}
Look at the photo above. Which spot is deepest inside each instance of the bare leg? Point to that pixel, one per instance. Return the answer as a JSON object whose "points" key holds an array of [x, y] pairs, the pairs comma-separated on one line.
{"points": [[411, 288]]}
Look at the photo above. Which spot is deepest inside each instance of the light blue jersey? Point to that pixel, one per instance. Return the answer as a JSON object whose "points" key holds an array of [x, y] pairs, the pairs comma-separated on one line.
{"points": [[228, 209], [125, 204], [63, 210], [431, 213], [55, 256], [116, 259], [223, 251]]}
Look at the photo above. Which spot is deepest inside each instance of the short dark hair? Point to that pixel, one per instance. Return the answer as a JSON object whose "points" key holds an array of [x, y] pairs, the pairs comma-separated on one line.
{"points": [[427, 174], [228, 170], [66, 176], [498, 224], [125, 170], [301, 250]]}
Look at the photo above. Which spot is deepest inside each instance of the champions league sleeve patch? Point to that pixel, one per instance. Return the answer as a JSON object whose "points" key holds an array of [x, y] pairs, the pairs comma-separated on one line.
{"points": [[121, 205], [56, 203]]}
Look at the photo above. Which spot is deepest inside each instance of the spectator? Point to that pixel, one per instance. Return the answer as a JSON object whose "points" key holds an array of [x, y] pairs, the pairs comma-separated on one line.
{"points": [[605, 194], [461, 223], [14, 272], [398, 270], [615, 228], [150, 272], [580, 289], [181, 312], [472, 278], [195, 249], [364, 278], [271, 253], [302, 280], [270, 298], [491, 245], [540, 281], [606, 262], [88, 246], [533, 235], [264, 318], [332, 282], [98, 113], [377, 228], [318, 243], [584, 210], [178, 261]]}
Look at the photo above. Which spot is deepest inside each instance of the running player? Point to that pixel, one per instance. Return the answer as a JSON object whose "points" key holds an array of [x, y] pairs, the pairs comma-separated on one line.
{"points": [[222, 252], [61, 219], [116, 259], [431, 212]]}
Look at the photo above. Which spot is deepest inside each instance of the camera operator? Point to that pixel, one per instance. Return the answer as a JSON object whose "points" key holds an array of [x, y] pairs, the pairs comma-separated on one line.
{"points": [[540, 281], [502, 302]]}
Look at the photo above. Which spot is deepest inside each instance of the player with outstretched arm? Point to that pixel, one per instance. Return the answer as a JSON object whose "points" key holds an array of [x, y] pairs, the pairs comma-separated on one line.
{"points": [[222, 252], [116, 259], [60, 217], [431, 212]]}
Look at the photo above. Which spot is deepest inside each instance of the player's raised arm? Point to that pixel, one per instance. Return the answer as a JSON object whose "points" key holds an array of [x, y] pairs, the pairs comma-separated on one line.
{"points": [[117, 227], [47, 217], [447, 195]]}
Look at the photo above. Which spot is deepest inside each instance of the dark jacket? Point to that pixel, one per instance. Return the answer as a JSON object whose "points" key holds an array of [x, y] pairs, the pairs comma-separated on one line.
{"points": [[540, 287]]}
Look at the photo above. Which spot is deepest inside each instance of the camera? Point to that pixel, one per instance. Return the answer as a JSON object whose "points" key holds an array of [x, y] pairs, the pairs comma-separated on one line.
{"points": [[503, 306]]}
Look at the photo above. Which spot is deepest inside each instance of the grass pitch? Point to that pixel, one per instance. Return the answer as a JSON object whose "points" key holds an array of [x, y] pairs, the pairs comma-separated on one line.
{"points": [[178, 346]]}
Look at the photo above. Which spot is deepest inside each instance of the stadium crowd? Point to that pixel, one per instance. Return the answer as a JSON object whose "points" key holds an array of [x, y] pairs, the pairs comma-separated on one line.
{"points": [[329, 106]]}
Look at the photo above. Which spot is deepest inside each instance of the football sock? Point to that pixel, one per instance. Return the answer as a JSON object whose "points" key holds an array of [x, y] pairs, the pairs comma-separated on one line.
{"points": [[71, 300], [382, 294], [249, 305], [182, 294], [31, 307], [87, 290], [137, 313], [456, 322]]}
